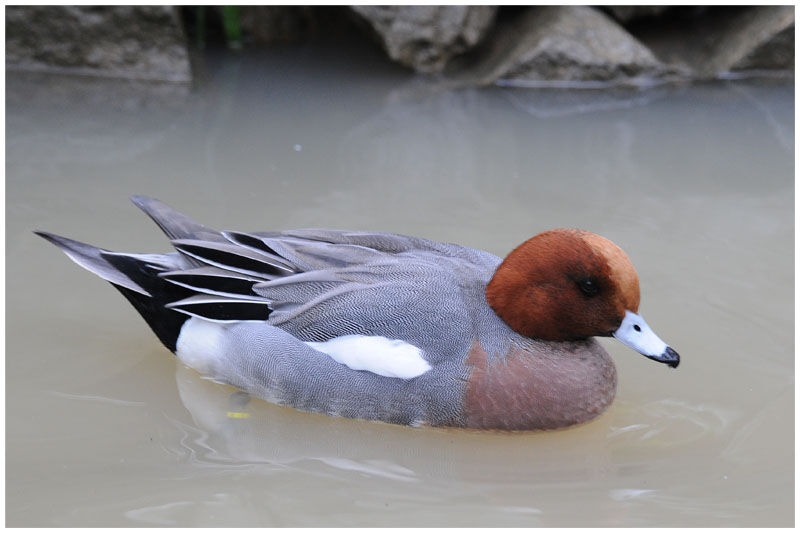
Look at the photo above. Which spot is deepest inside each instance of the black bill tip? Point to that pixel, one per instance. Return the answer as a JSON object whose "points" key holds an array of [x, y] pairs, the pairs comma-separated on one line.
{"points": [[670, 358]]}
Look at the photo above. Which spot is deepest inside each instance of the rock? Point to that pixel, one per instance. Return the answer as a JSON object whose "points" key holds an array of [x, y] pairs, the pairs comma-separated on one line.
{"points": [[136, 42], [776, 53], [425, 38], [760, 38], [721, 40], [557, 44]]}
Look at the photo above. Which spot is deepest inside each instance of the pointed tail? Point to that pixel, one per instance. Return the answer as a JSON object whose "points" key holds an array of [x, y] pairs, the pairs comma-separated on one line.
{"points": [[136, 276], [174, 224]]}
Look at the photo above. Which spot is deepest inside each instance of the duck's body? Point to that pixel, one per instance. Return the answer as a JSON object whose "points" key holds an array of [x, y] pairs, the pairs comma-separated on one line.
{"points": [[381, 326]]}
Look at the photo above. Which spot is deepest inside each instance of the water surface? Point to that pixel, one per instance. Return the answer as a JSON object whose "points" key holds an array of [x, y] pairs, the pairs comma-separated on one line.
{"points": [[105, 427]]}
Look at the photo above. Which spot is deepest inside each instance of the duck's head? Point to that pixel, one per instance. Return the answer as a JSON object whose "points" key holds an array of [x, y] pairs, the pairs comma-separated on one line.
{"points": [[568, 284]]}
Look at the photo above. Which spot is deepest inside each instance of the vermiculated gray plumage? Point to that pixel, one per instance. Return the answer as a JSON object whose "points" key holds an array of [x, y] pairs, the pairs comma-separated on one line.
{"points": [[273, 292]]}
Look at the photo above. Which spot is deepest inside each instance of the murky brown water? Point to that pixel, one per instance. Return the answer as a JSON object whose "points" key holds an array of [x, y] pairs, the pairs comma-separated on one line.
{"points": [[104, 427]]}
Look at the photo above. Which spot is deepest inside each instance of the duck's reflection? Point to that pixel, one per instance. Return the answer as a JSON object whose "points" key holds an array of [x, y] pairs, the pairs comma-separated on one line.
{"points": [[616, 464], [248, 430]]}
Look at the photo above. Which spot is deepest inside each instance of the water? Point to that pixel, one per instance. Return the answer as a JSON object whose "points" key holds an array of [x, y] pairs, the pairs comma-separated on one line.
{"points": [[104, 427]]}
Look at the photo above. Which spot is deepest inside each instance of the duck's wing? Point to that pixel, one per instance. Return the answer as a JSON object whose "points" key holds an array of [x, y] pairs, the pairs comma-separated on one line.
{"points": [[320, 248], [316, 284], [300, 279], [319, 289]]}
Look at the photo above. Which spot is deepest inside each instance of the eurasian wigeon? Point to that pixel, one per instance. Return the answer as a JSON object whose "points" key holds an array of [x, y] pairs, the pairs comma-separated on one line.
{"points": [[387, 327]]}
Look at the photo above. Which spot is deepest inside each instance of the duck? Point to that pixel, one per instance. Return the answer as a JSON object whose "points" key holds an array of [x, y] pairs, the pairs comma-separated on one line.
{"points": [[387, 327]]}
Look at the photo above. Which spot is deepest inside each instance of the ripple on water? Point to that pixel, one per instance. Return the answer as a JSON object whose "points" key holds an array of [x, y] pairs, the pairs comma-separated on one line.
{"points": [[673, 423]]}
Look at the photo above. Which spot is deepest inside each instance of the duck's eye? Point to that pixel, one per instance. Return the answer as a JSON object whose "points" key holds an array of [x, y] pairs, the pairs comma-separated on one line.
{"points": [[588, 286]]}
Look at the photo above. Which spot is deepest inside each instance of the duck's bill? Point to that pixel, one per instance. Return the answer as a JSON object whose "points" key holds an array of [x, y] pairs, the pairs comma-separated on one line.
{"points": [[635, 332]]}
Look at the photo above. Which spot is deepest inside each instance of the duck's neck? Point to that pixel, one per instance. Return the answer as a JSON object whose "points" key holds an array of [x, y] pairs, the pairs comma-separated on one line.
{"points": [[526, 294], [538, 385]]}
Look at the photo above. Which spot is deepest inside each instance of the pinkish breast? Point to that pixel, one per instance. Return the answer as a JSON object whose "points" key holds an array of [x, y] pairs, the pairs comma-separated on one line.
{"points": [[538, 386]]}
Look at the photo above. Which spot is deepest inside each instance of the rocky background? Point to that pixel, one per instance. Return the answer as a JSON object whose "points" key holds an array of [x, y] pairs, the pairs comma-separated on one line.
{"points": [[559, 46], [140, 42]]}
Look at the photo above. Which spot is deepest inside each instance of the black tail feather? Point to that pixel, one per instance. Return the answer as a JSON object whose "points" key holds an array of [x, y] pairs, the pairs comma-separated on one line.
{"points": [[211, 277], [164, 322]]}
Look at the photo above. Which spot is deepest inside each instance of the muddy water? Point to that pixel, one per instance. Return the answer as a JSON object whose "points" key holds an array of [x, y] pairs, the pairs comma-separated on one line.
{"points": [[104, 427]]}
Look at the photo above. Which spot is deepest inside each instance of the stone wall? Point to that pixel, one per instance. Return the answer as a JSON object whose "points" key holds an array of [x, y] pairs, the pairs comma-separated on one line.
{"points": [[470, 45], [137, 42], [566, 45]]}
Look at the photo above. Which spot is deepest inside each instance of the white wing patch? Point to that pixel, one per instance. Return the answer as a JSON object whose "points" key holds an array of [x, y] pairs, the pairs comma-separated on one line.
{"points": [[386, 357]]}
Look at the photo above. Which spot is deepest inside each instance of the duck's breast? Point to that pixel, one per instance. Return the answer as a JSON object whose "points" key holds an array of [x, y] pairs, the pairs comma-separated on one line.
{"points": [[538, 385]]}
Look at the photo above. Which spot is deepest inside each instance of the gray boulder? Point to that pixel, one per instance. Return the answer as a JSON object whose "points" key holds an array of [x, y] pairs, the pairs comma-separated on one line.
{"points": [[722, 40], [425, 38], [759, 38], [561, 45], [137, 42]]}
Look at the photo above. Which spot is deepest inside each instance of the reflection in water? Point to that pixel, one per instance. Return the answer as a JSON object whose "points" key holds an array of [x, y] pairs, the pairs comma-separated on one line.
{"points": [[784, 133], [545, 104], [275, 435], [101, 399], [551, 465]]}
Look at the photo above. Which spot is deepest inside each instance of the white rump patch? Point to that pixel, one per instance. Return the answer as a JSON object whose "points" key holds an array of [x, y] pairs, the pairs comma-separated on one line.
{"points": [[386, 357], [199, 344]]}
